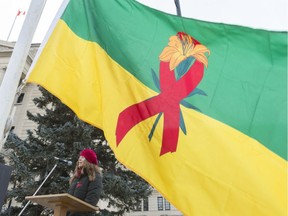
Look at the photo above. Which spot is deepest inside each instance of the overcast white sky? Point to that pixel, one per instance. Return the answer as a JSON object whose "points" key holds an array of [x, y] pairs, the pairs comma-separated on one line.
{"points": [[267, 14]]}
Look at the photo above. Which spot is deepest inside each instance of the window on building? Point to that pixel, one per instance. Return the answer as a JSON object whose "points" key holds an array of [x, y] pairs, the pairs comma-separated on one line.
{"points": [[145, 204], [167, 205], [160, 203], [20, 98]]}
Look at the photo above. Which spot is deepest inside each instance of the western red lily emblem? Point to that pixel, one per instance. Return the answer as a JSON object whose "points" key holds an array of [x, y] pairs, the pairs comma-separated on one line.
{"points": [[181, 70]]}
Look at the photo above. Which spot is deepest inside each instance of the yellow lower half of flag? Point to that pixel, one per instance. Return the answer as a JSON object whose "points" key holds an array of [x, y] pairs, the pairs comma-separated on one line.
{"points": [[216, 170]]}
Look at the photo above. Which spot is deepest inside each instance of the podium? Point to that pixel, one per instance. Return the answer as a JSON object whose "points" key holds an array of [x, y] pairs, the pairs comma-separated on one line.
{"points": [[61, 203]]}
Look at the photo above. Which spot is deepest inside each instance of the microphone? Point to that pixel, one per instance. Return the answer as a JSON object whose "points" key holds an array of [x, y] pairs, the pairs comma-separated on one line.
{"points": [[69, 163]]}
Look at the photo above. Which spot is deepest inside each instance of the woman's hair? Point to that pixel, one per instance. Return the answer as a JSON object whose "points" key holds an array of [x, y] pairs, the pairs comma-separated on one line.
{"points": [[89, 168]]}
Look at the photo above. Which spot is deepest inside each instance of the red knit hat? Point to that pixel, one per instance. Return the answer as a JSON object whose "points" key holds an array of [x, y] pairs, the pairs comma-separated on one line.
{"points": [[89, 155]]}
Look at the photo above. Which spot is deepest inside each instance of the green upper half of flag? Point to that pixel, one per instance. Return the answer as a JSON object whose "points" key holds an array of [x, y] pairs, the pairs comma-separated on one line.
{"points": [[244, 85]]}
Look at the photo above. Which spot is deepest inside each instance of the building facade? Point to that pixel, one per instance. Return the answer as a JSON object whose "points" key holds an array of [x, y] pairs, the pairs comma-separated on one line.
{"points": [[23, 99], [155, 205]]}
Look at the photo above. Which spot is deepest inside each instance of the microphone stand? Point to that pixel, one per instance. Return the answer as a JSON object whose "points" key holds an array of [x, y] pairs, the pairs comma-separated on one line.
{"points": [[38, 188]]}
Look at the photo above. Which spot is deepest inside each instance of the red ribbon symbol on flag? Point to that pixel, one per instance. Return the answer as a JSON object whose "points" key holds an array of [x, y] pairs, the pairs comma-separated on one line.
{"points": [[167, 102], [172, 91]]}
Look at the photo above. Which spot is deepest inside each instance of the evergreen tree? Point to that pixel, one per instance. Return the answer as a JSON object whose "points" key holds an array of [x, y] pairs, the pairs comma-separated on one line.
{"points": [[61, 134]]}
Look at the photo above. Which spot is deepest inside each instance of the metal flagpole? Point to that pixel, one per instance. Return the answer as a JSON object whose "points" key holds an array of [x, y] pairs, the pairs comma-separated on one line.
{"points": [[12, 26], [178, 9], [16, 64]]}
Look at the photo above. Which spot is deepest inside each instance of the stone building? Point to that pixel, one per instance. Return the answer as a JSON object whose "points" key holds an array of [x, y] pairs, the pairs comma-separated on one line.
{"points": [[23, 100]]}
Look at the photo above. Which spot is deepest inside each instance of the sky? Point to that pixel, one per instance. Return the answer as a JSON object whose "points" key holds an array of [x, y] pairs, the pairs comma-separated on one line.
{"points": [[268, 14]]}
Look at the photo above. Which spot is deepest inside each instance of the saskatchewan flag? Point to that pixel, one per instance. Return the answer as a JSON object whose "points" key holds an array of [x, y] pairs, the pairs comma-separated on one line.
{"points": [[197, 109]]}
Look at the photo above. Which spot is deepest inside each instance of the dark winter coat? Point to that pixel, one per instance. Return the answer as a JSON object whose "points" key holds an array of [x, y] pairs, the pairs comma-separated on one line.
{"points": [[87, 191]]}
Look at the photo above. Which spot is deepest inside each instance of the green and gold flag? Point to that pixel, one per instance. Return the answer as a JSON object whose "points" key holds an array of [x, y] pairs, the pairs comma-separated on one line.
{"points": [[197, 109]]}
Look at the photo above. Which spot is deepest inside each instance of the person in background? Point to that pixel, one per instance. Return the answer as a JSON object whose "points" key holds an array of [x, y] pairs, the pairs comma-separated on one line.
{"points": [[86, 182]]}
